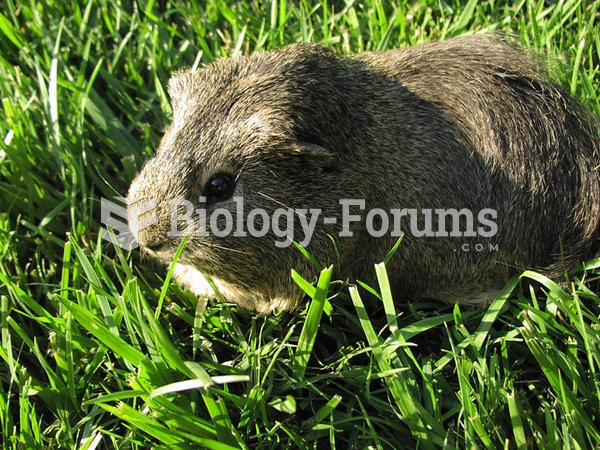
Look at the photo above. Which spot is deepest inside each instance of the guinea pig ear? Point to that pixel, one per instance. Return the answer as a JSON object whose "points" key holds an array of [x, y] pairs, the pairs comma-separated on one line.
{"points": [[306, 49], [180, 85], [313, 156]]}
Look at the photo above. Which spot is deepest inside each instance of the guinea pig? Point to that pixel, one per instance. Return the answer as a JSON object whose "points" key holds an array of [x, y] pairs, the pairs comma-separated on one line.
{"points": [[462, 147]]}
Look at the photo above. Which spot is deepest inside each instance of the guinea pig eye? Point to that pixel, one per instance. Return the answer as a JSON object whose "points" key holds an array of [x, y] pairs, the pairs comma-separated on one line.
{"points": [[219, 187]]}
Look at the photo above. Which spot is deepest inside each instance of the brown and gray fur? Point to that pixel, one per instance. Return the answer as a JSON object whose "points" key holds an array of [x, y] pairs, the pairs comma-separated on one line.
{"points": [[465, 123]]}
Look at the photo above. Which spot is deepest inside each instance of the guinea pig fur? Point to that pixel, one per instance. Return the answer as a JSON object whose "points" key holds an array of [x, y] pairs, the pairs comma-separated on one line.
{"points": [[467, 134]]}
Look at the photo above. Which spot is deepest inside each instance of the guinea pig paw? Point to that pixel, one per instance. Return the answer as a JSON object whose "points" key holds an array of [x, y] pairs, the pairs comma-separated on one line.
{"points": [[197, 283], [193, 279]]}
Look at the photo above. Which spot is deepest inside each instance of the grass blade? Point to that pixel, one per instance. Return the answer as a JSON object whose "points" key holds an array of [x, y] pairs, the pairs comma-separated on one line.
{"points": [[311, 325]]}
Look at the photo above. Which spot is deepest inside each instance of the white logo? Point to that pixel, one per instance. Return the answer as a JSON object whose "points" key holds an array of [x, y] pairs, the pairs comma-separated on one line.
{"points": [[281, 223], [119, 232]]}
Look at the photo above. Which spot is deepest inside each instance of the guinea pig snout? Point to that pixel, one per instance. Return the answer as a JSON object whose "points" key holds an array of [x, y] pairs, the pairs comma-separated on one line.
{"points": [[142, 220], [149, 204]]}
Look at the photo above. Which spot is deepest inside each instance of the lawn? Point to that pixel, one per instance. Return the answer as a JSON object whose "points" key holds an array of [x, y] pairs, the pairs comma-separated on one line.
{"points": [[101, 350]]}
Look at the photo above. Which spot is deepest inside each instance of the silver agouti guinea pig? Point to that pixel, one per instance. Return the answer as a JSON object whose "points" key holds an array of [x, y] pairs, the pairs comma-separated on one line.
{"points": [[463, 147]]}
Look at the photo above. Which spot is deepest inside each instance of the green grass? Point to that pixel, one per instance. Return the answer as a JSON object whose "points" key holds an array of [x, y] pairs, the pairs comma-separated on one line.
{"points": [[98, 352]]}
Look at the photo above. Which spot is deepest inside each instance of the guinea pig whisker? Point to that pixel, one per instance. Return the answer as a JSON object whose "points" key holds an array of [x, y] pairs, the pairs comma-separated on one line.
{"points": [[229, 249], [237, 177], [275, 201]]}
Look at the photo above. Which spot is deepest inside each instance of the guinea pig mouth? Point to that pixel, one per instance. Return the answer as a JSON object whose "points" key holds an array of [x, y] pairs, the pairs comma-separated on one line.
{"points": [[162, 250], [157, 248], [166, 251]]}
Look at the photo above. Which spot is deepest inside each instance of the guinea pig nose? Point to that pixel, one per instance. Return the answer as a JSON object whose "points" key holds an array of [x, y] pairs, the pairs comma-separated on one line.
{"points": [[151, 240], [155, 246], [152, 243]]}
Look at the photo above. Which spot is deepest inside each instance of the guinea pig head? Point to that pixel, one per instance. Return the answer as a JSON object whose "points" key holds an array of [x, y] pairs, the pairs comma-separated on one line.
{"points": [[253, 152]]}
